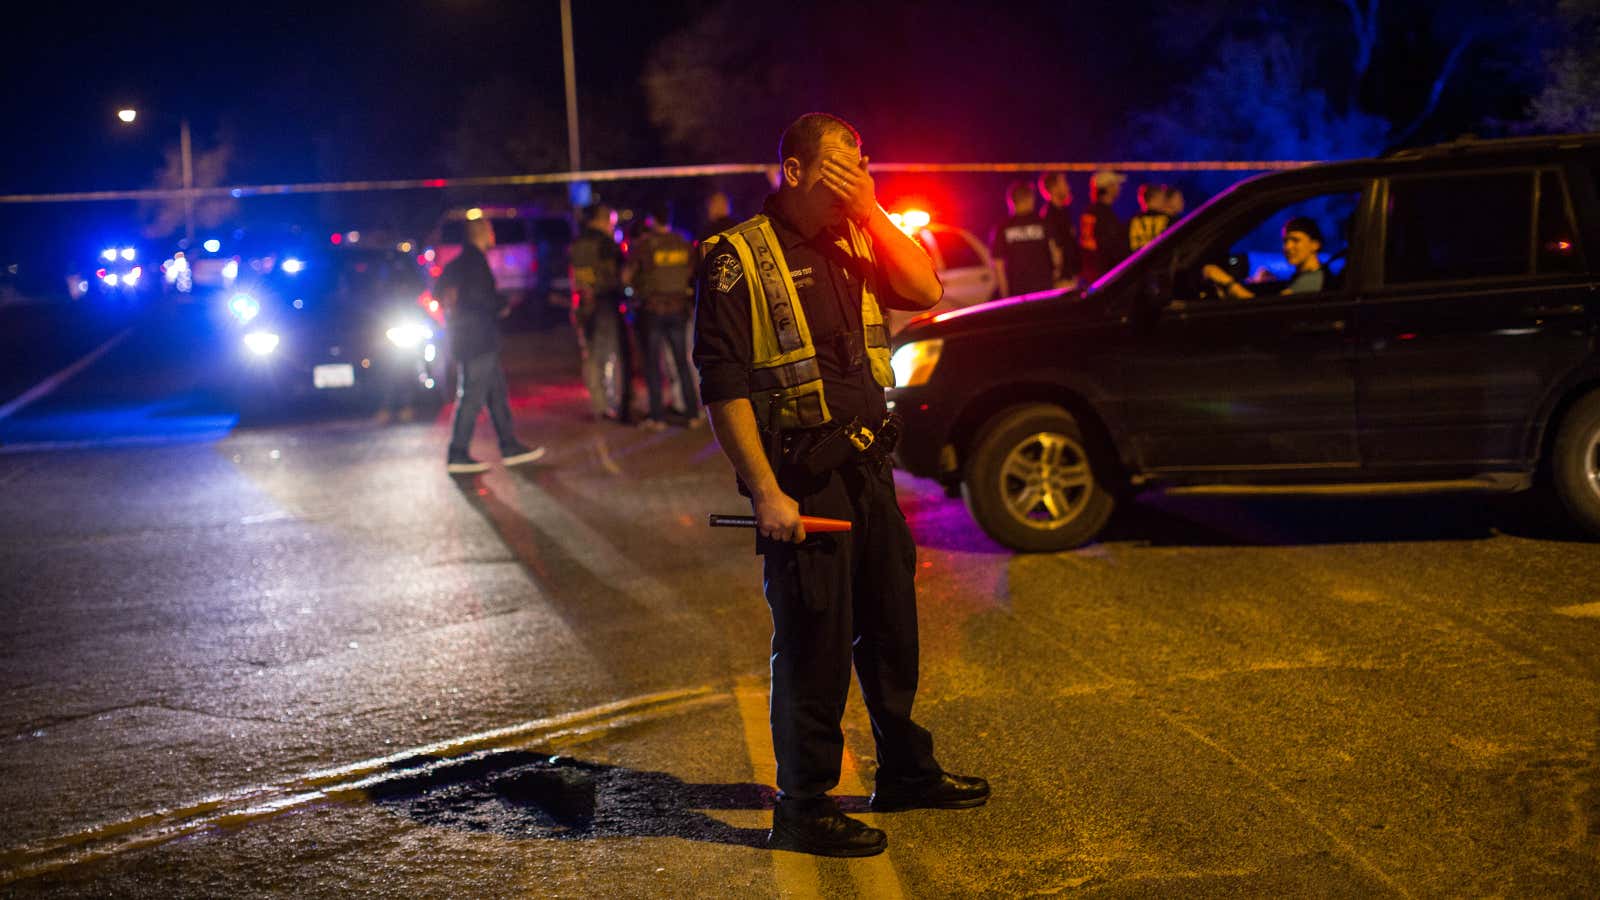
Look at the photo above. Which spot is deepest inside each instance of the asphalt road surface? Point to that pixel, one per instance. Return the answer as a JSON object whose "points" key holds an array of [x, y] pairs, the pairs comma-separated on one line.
{"points": [[299, 659]]}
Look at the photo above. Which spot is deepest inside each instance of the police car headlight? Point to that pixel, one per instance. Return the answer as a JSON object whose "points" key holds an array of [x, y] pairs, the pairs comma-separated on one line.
{"points": [[408, 334], [261, 343], [913, 363], [244, 307]]}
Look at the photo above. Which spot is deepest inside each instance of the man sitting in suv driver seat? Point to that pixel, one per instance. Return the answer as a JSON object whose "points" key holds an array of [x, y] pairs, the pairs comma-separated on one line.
{"points": [[1302, 241]]}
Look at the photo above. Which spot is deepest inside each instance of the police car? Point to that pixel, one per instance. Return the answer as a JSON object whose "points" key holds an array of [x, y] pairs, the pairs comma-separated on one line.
{"points": [[335, 322], [962, 261], [116, 272]]}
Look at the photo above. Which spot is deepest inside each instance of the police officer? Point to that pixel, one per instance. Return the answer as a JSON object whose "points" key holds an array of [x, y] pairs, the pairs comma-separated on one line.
{"points": [[661, 270], [1021, 245], [1153, 216], [597, 297], [1061, 227], [719, 216], [1102, 236], [793, 358]]}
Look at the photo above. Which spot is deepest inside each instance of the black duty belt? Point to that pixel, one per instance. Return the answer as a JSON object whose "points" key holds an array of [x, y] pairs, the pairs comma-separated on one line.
{"points": [[821, 450]]}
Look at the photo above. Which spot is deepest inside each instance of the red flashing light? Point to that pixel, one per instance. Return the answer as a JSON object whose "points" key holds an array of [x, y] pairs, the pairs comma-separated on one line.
{"points": [[336, 238], [435, 271], [434, 183], [422, 259], [1407, 336], [99, 273]]}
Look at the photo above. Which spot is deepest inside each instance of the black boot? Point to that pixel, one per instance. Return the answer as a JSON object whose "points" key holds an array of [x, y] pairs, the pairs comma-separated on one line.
{"points": [[945, 792], [818, 827]]}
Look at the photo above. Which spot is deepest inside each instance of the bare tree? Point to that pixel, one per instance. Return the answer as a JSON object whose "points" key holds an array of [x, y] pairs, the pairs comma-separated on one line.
{"points": [[164, 217], [1364, 25], [1570, 100]]}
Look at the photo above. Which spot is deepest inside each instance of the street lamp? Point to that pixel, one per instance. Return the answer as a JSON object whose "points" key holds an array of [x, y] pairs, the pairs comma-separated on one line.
{"points": [[128, 116]]}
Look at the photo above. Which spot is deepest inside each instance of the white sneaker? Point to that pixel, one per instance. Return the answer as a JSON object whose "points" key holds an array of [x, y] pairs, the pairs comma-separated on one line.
{"points": [[525, 455], [464, 465]]}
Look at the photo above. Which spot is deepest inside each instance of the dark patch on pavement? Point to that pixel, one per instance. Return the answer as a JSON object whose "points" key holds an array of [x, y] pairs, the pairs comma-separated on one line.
{"points": [[518, 794]]}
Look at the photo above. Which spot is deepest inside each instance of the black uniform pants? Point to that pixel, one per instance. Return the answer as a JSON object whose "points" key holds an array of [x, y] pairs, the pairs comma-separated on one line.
{"points": [[482, 384], [840, 598]]}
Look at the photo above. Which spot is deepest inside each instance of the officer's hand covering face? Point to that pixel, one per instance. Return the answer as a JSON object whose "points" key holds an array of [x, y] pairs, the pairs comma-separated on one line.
{"points": [[817, 199]]}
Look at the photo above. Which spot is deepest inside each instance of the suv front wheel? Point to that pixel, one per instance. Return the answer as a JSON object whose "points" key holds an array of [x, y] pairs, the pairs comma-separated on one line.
{"points": [[1032, 483], [1575, 463]]}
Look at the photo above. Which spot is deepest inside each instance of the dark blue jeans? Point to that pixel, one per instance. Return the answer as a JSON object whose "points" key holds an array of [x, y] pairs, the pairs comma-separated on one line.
{"points": [[483, 383], [671, 331]]}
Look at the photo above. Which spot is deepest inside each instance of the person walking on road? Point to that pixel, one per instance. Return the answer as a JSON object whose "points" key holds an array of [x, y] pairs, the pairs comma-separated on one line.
{"points": [[793, 357], [1102, 237], [1021, 245], [661, 271], [597, 318], [472, 309]]}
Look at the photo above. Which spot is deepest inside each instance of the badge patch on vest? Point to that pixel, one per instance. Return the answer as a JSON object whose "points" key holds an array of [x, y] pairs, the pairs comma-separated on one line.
{"points": [[725, 272]]}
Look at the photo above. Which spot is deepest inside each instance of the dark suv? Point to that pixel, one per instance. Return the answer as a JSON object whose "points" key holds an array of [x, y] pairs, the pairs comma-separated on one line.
{"points": [[1426, 321]]}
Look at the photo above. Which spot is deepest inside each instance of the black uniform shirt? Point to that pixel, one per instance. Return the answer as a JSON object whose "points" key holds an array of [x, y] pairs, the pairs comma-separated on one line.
{"points": [[1104, 239], [473, 325], [1022, 243], [1062, 230], [828, 281]]}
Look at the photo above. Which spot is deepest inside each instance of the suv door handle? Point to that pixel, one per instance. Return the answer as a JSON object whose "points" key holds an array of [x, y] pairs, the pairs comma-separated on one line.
{"points": [[1318, 327], [1553, 310]]}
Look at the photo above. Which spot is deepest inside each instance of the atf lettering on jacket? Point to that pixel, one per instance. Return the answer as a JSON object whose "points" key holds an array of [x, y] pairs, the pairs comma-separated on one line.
{"points": [[1146, 227]]}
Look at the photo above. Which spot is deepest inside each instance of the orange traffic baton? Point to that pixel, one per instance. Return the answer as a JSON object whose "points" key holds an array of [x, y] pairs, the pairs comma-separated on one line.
{"points": [[813, 524]]}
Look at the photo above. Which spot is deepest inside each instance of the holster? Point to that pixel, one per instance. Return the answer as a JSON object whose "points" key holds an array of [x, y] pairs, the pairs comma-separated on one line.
{"points": [[826, 449]]}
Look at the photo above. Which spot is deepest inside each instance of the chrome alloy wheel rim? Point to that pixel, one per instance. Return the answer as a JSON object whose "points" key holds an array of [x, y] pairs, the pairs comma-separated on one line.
{"points": [[1045, 481]]}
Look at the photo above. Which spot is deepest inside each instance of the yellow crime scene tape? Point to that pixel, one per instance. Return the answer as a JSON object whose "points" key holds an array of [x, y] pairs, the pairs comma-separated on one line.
{"points": [[645, 174]]}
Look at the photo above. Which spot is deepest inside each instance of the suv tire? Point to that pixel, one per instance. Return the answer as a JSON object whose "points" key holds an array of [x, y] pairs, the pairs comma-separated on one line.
{"points": [[1033, 484], [1575, 462]]}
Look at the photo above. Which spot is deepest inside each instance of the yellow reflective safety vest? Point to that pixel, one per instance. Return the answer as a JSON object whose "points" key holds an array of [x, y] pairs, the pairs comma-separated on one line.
{"points": [[784, 361]]}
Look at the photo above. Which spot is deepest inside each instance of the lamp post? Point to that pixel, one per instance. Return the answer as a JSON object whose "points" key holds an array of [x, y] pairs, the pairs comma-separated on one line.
{"points": [[568, 69], [127, 116]]}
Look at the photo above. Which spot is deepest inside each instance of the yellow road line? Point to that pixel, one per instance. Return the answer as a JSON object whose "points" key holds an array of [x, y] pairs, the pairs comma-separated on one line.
{"points": [[875, 876], [796, 873], [344, 783]]}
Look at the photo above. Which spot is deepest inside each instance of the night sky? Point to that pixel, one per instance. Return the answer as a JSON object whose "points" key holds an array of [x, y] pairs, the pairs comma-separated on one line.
{"points": [[346, 91]]}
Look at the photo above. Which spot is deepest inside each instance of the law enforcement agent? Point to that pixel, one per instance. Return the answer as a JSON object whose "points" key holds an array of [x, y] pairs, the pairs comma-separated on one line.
{"points": [[1021, 245], [794, 358], [597, 297], [661, 270]]}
